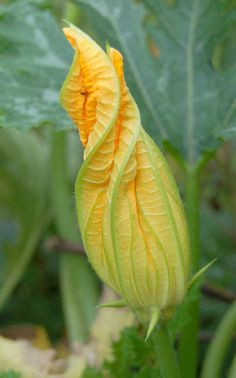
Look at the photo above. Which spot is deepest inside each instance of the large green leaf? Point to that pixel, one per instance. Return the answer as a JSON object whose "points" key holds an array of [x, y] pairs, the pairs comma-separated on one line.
{"points": [[23, 204], [120, 22], [34, 59], [184, 90]]}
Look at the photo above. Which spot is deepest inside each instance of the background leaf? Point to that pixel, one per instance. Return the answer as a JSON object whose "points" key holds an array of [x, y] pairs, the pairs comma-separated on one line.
{"points": [[34, 60], [185, 95], [23, 201]]}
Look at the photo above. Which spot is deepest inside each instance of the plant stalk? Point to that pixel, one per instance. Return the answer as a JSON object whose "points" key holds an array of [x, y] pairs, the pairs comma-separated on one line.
{"points": [[22, 262], [78, 287], [192, 200], [188, 343], [232, 369], [214, 360], [165, 352]]}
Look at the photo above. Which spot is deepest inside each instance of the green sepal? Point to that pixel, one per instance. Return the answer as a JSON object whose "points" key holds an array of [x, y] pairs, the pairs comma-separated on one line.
{"points": [[155, 316], [197, 275], [119, 303], [108, 46]]}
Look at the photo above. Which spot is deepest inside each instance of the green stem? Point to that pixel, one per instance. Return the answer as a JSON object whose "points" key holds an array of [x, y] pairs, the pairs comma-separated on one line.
{"points": [[166, 355], [215, 356], [61, 196], [188, 344], [193, 214], [22, 262], [78, 286], [232, 369]]}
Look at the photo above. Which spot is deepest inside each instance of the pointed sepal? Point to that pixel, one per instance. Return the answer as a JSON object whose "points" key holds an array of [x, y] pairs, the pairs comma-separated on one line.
{"points": [[196, 276], [115, 304], [155, 316]]}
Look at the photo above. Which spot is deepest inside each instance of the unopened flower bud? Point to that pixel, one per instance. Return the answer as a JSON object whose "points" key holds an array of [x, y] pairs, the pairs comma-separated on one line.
{"points": [[130, 213]]}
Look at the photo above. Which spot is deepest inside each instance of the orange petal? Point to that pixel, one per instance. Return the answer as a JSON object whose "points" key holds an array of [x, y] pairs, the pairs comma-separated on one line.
{"points": [[89, 93]]}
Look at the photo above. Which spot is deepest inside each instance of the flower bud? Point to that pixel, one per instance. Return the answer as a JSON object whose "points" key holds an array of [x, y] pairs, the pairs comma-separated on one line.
{"points": [[130, 213]]}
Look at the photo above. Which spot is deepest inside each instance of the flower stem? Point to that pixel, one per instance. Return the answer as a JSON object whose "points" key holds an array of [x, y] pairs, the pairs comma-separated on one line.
{"points": [[215, 356], [166, 354], [188, 344]]}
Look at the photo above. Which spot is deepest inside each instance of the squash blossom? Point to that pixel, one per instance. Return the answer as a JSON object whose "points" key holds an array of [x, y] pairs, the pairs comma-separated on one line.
{"points": [[130, 213]]}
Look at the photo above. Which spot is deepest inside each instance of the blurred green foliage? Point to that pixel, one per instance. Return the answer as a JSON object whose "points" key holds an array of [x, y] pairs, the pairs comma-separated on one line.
{"points": [[24, 200], [10, 374], [132, 357]]}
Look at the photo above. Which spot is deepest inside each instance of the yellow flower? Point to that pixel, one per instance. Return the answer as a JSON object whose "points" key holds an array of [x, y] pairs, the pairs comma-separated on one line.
{"points": [[130, 213]]}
